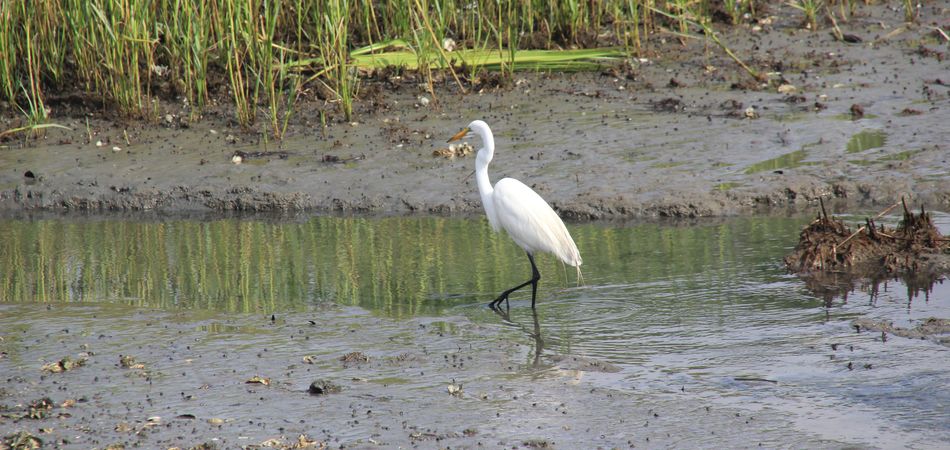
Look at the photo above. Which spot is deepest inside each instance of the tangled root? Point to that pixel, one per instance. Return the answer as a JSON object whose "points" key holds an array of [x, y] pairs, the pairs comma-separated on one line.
{"points": [[827, 245]]}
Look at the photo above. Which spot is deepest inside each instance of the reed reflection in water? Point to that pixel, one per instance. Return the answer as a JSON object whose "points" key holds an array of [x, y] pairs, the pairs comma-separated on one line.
{"points": [[394, 266]]}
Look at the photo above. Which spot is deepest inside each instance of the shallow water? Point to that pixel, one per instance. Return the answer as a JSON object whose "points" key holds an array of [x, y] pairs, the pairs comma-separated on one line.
{"points": [[681, 335]]}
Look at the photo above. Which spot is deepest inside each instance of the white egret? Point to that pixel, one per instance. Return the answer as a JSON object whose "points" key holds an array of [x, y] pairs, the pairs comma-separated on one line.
{"points": [[527, 218]]}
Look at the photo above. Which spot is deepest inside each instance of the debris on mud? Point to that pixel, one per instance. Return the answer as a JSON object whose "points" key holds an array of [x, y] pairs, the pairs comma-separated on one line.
{"points": [[323, 387], [583, 364], [333, 159], [258, 380], [239, 156], [354, 358], [931, 327], [833, 260], [21, 440], [668, 105], [128, 362], [828, 246], [41, 408], [538, 443], [63, 365], [857, 112], [455, 151]]}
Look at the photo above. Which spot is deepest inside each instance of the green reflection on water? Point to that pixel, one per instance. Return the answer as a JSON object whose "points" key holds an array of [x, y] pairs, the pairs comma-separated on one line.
{"points": [[394, 266], [787, 161], [866, 140]]}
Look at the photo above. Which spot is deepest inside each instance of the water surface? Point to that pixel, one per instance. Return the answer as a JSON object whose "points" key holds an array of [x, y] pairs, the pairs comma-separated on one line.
{"points": [[680, 330]]}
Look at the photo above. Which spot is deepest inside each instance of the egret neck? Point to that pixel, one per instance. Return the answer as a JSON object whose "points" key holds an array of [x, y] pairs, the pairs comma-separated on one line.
{"points": [[485, 189]]}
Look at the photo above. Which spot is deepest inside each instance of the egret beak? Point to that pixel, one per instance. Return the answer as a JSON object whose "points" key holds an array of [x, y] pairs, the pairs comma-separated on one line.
{"points": [[459, 135]]}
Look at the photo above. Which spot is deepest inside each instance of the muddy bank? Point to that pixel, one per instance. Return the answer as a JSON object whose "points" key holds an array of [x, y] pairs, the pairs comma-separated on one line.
{"points": [[682, 133]]}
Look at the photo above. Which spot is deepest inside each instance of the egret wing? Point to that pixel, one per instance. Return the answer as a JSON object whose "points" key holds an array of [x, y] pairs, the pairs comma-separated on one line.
{"points": [[531, 222]]}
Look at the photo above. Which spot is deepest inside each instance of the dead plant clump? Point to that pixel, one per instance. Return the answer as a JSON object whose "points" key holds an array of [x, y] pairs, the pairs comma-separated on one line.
{"points": [[827, 245]]}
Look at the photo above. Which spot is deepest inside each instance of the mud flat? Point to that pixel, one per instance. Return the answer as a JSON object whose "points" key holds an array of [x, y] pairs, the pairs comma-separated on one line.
{"points": [[681, 133], [164, 379]]}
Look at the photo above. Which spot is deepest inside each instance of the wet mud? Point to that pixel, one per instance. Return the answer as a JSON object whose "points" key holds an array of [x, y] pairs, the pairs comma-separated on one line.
{"points": [[173, 379], [680, 133], [931, 328]]}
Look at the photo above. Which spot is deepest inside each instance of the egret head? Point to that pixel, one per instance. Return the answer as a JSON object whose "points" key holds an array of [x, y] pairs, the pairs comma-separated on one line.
{"points": [[477, 127]]}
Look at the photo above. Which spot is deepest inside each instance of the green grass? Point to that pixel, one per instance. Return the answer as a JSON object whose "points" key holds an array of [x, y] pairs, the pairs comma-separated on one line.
{"points": [[810, 9], [264, 54], [562, 60]]}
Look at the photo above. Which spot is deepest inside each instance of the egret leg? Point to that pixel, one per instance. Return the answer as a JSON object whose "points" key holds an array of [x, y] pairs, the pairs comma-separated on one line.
{"points": [[535, 276]]}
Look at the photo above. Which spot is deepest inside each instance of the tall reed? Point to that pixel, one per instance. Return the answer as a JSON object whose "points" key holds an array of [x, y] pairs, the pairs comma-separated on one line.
{"points": [[268, 51], [333, 41], [240, 27], [8, 57], [188, 43]]}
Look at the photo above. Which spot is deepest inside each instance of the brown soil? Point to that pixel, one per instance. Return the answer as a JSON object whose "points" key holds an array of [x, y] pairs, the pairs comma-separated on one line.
{"points": [[681, 133]]}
